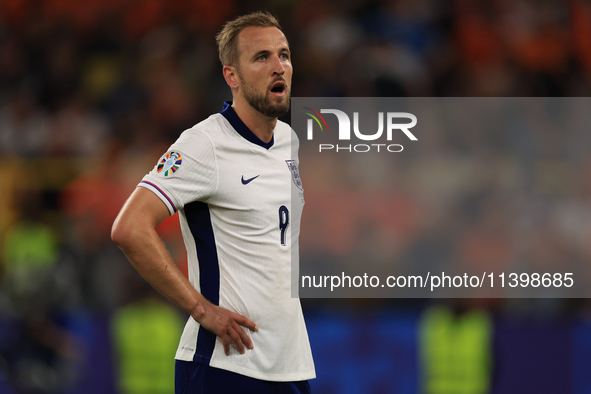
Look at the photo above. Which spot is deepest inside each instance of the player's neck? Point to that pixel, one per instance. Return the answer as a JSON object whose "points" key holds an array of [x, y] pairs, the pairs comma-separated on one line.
{"points": [[261, 125]]}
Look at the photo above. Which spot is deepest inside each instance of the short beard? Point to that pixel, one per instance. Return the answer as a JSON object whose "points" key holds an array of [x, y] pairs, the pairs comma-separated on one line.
{"points": [[262, 102]]}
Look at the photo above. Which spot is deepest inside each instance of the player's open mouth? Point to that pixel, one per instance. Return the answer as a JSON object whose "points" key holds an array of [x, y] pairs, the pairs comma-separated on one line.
{"points": [[278, 89]]}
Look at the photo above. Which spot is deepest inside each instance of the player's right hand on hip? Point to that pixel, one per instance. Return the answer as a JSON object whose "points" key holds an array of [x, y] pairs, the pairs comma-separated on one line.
{"points": [[227, 326]]}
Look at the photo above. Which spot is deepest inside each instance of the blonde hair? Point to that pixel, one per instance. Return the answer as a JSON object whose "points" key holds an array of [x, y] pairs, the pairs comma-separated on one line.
{"points": [[227, 38]]}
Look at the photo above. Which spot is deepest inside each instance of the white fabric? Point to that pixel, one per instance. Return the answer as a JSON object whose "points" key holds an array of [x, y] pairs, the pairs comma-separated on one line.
{"points": [[254, 267]]}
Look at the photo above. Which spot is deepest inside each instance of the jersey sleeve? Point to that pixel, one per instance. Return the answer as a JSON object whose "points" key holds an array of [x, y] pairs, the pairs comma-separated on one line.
{"points": [[187, 172]]}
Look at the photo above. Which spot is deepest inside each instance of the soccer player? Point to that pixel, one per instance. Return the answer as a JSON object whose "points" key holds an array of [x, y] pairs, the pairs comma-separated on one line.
{"points": [[231, 178]]}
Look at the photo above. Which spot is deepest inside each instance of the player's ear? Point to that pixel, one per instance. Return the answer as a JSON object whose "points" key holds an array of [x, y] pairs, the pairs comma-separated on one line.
{"points": [[231, 77]]}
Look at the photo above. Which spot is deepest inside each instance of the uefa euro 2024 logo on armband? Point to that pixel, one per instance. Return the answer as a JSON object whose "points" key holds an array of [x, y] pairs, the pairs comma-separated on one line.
{"points": [[345, 130]]}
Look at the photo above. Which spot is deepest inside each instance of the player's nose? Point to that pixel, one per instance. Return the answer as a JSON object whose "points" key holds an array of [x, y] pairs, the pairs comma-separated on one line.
{"points": [[278, 66]]}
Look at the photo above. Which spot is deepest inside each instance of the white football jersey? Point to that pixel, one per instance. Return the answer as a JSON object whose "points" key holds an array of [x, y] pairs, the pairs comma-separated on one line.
{"points": [[240, 220]]}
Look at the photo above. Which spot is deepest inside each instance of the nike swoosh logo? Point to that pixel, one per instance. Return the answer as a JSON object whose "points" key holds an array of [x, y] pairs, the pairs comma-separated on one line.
{"points": [[247, 181]]}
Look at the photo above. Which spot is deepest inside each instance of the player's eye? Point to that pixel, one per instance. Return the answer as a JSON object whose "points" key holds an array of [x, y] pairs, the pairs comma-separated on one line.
{"points": [[284, 56], [262, 57]]}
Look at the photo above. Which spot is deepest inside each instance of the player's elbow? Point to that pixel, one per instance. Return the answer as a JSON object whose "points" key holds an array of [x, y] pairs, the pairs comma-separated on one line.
{"points": [[121, 232]]}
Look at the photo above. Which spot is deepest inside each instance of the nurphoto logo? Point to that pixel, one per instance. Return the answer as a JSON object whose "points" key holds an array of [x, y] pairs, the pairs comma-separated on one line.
{"points": [[344, 133]]}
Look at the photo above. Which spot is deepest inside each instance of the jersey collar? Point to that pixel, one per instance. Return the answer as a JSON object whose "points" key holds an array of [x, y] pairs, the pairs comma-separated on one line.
{"points": [[241, 128]]}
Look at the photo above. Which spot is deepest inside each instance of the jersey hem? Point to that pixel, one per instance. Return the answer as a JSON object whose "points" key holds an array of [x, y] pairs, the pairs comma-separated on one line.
{"points": [[283, 377]]}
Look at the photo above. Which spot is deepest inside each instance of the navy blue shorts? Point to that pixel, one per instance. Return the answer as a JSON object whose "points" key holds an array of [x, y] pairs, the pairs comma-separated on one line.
{"points": [[195, 378]]}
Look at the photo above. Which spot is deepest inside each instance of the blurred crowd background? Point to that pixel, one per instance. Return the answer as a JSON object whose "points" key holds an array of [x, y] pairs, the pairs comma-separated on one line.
{"points": [[92, 93]]}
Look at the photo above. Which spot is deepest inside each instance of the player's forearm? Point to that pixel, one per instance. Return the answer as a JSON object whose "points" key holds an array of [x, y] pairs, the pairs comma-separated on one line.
{"points": [[147, 253]]}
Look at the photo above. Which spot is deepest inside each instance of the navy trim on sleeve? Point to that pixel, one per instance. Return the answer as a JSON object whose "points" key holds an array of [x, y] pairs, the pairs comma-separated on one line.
{"points": [[161, 192]]}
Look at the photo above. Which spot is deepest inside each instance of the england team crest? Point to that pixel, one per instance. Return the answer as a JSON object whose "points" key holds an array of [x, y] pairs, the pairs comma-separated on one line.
{"points": [[169, 164], [295, 173]]}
